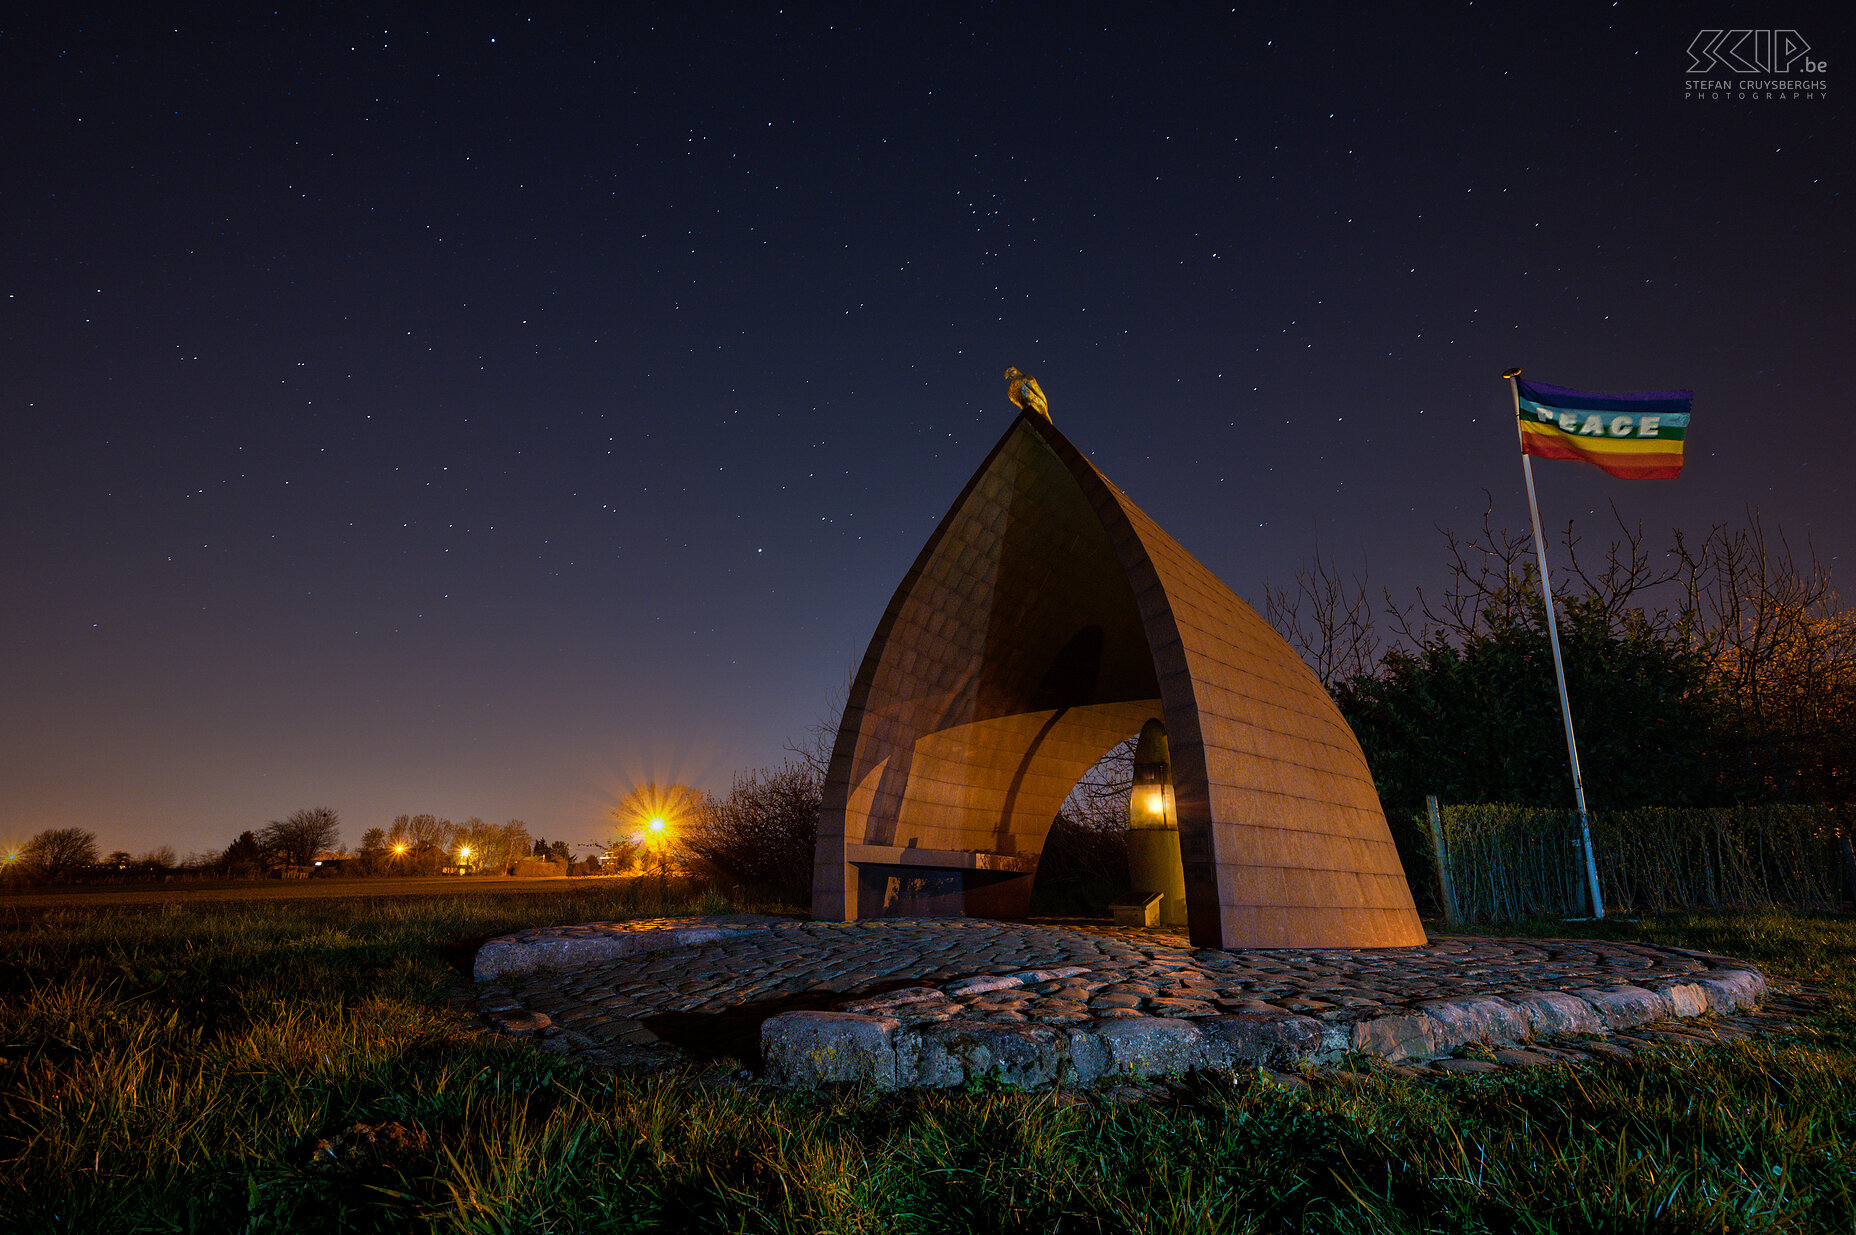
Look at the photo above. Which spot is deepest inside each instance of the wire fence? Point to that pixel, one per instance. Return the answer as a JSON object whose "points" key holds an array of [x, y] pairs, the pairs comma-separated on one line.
{"points": [[1512, 863]]}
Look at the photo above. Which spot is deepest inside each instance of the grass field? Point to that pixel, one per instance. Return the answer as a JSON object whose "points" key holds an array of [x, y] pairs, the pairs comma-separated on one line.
{"points": [[182, 892], [287, 1063]]}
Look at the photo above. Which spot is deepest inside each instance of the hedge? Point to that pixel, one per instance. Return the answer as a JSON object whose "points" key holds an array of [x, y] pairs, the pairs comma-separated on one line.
{"points": [[1511, 863]]}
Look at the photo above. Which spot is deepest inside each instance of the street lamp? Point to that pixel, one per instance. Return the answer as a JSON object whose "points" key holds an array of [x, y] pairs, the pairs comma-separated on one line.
{"points": [[655, 839], [463, 858]]}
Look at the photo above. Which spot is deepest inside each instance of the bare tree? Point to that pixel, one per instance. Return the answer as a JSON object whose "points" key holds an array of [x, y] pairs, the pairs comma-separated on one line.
{"points": [[1328, 619], [1099, 801], [1764, 655], [59, 853], [1783, 652], [485, 842], [303, 835], [814, 750], [420, 841], [1084, 863], [514, 839], [1626, 578], [1489, 584]]}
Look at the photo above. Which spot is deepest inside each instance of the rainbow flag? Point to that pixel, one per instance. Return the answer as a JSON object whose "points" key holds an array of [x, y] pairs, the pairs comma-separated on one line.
{"points": [[1633, 437]]}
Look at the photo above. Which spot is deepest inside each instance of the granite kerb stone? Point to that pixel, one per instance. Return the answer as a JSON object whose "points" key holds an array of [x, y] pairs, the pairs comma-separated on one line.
{"points": [[1625, 1007], [1727, 989], [950, 1053], [825, 1048], [570, 947], [956, 1052], [1255, 1040], [813, 1048], [1556, 1012]]}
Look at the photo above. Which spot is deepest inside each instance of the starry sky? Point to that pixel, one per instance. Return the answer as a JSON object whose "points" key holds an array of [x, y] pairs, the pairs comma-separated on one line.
{"points": [[481, 409]]}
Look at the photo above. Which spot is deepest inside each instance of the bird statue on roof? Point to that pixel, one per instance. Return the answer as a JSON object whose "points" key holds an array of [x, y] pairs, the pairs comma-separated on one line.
{"points": [[1024, 391]]}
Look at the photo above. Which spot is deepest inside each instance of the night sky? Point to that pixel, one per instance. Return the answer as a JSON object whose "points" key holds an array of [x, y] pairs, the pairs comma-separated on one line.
{"points": [[479, 411]]}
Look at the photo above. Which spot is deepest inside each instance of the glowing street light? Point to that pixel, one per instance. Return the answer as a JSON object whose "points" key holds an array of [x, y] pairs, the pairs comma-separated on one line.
{"points": [[651, 819], [650, 812], [655, 841]]}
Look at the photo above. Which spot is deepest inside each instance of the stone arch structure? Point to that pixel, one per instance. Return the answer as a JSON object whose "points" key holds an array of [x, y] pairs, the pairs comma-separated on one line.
{"points": [[1046, 620]]}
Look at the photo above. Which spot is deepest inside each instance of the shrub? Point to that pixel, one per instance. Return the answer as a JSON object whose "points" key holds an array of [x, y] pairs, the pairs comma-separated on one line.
{"points": [[761, 836]]}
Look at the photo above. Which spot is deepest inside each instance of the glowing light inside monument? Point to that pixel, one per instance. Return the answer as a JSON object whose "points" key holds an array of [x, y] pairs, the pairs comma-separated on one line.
{"points": [[1154, 863], [1150, 797]]}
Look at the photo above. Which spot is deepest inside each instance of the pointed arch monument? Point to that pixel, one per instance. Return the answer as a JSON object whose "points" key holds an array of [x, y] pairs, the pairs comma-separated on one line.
{"points": [[1046, 619]]}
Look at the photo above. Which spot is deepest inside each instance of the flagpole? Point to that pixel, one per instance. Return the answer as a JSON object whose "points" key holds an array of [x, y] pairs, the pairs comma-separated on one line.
{"points": [[1559, 666]]}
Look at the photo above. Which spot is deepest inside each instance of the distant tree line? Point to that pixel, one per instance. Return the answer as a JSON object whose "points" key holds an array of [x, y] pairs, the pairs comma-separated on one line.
{"points": [[428, 844], [57, 855], [298, 844]]}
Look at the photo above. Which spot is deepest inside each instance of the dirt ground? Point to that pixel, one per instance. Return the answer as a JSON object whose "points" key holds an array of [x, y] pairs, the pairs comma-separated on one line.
{"points": [[81, 896]]}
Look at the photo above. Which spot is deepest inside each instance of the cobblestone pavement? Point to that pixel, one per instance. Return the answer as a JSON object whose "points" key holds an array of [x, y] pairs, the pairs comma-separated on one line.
{"points": [[821, 1000]]}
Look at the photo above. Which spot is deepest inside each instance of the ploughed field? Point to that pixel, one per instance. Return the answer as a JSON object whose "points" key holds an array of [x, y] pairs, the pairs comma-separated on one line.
{"points": [[283, 1057]]}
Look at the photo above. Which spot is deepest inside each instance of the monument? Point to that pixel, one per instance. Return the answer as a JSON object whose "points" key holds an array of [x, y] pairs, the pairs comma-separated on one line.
{"points": [[1046, 620]]}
